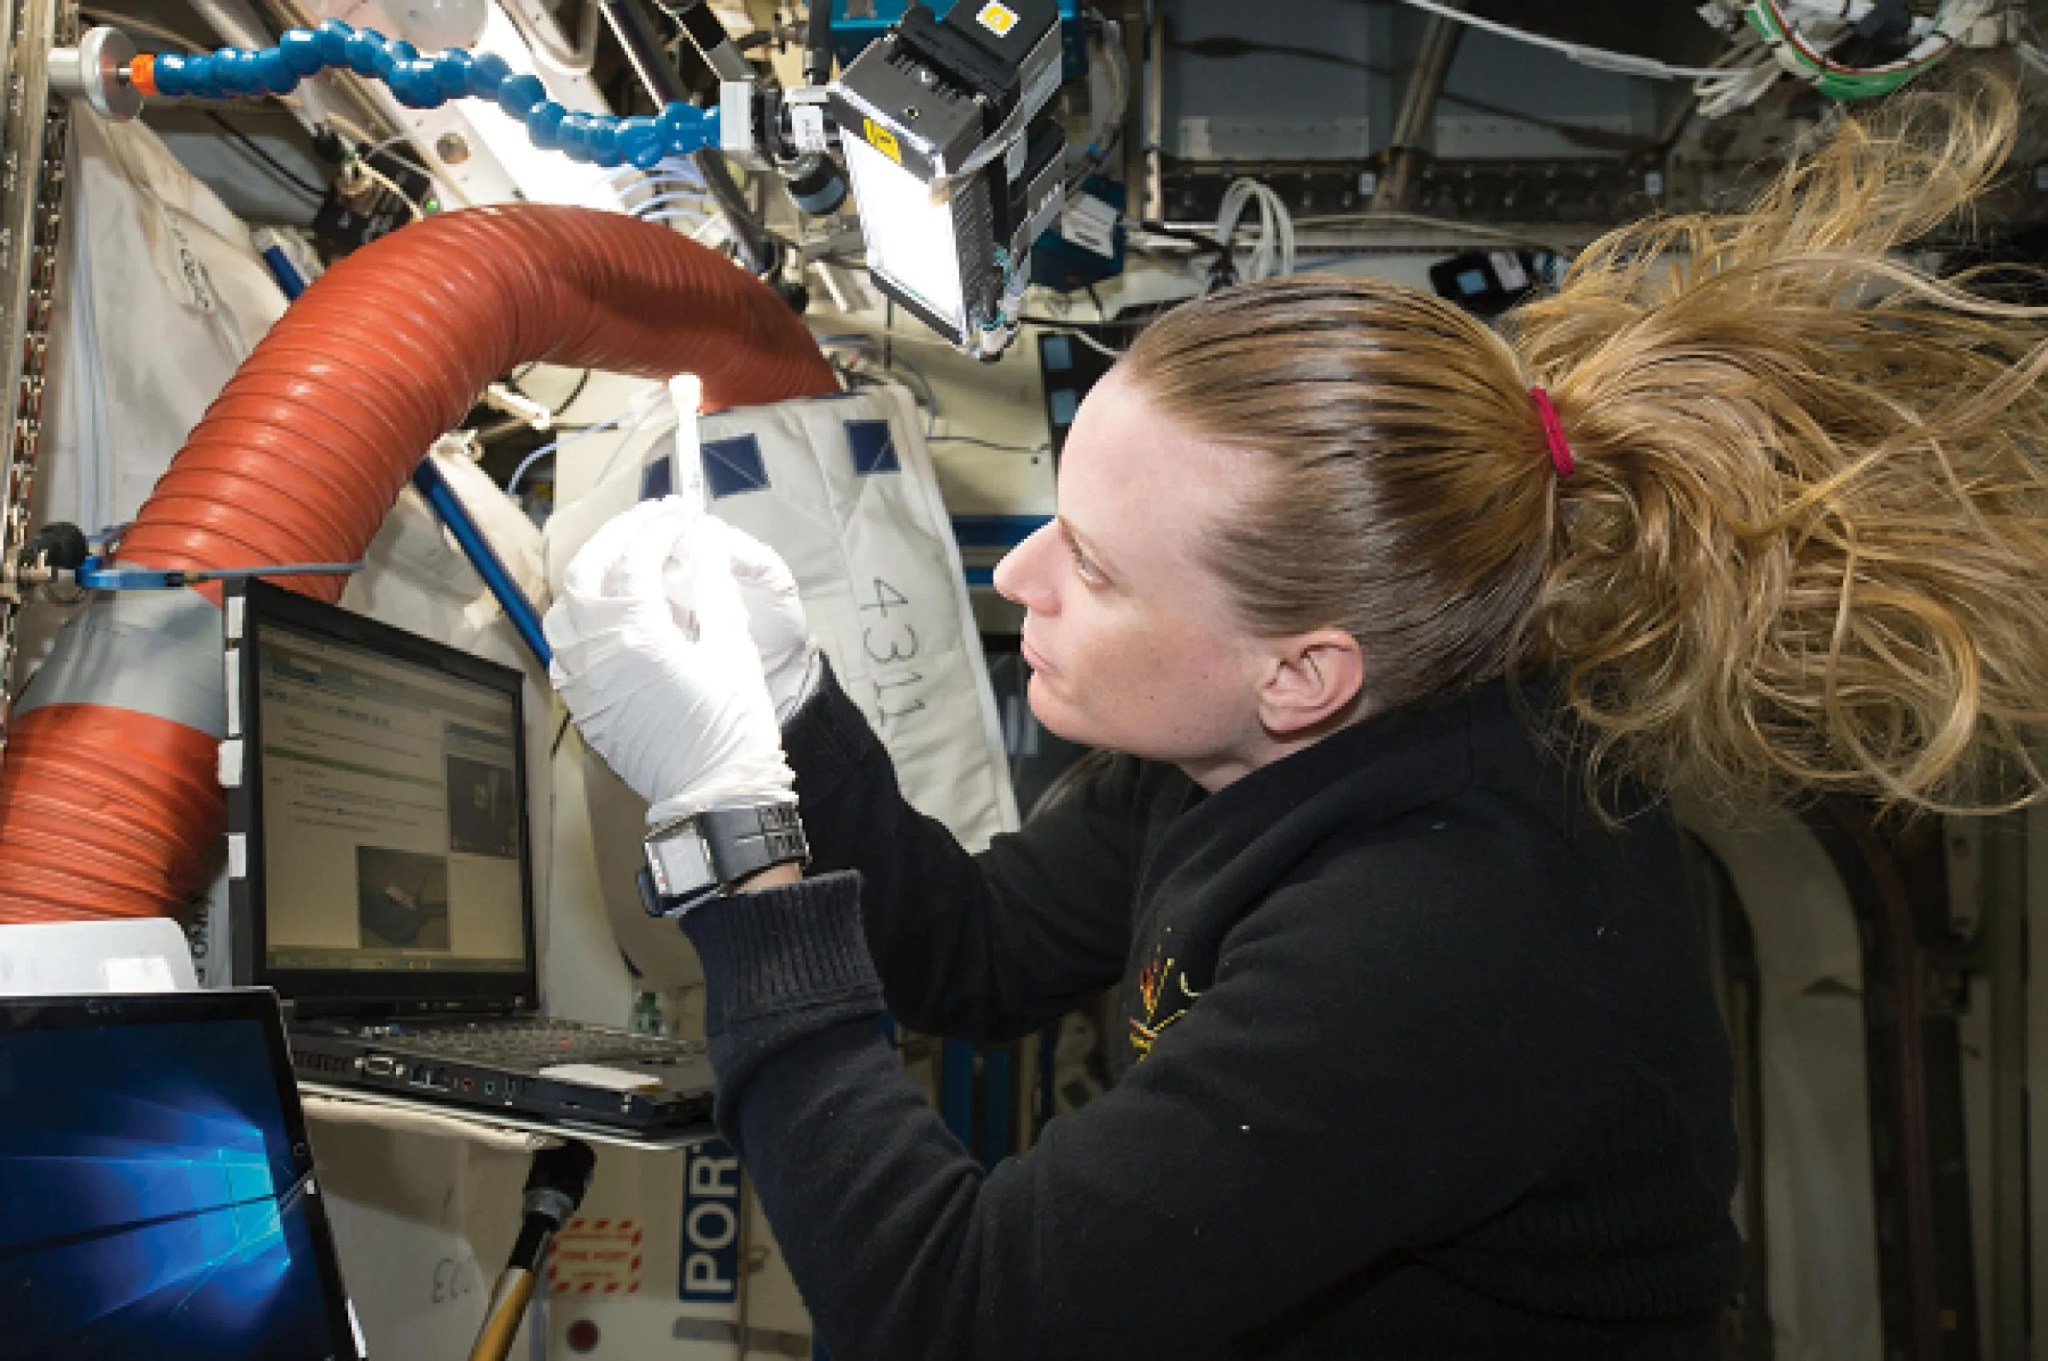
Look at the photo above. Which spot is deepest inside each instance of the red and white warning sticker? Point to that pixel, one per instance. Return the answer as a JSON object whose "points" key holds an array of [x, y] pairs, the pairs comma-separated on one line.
{"points": [[596, 1257]]}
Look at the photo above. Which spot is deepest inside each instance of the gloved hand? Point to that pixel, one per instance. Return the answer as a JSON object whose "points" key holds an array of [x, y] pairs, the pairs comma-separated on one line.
{"points": [[775, 618], [655, 662]]}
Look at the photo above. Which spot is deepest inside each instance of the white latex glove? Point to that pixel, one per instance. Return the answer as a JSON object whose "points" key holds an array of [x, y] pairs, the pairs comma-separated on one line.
{"points": [[775, 618], [655, 662]]}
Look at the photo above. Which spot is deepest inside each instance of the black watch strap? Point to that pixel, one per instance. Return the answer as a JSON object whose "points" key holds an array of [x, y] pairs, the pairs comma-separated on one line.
{"points": [[693, 857]]}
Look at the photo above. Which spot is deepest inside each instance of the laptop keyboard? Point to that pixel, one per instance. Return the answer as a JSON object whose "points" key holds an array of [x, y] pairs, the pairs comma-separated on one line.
{"points": [[540, 1041]]}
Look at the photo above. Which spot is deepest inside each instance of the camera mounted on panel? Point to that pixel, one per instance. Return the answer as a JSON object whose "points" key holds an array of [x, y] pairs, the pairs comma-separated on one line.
{"points": [[957, 160], [787, 131], [954, 148]]}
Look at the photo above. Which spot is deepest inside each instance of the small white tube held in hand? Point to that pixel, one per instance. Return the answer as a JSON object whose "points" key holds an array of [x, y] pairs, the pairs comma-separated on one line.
{"points": [[775, 613], [686, 461]]}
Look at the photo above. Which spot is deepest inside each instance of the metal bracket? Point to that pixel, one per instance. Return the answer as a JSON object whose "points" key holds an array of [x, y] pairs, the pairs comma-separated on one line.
{"points": [[32, 145]]}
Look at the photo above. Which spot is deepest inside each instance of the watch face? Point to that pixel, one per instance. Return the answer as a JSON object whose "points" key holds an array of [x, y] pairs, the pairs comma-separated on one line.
{"points": [[680, 862]]}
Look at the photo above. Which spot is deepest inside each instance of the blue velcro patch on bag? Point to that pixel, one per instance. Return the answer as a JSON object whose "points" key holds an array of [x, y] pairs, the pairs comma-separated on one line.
{"points": [[656, 480], [874, 448], [732, 466]]}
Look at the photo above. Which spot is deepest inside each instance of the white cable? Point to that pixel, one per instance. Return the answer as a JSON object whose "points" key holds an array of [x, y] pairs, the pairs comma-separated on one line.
{"points": [[1598, 57], [371, 172], [648, 206], [1092, 343], [1273, 253], [1841, 11]]}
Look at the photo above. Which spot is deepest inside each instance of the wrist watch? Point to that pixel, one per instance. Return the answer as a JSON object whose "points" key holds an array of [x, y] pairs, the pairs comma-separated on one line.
{"points": [[701, 855]]}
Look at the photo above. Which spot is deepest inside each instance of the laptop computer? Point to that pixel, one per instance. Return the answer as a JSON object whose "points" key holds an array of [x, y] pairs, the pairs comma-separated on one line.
{"points": [[159, 1197], [381, 881]]}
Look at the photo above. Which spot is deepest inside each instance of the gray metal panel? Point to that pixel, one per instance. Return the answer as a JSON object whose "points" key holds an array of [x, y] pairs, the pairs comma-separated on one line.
{"points": [[1548, 87], [1320, 80], [1482, 138], [1309, 75], [1272, 139]]}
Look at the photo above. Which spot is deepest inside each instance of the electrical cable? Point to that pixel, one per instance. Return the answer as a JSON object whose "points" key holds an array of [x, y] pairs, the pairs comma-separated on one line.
{"points": [[549, 449], [277, 167], [410, 163], [1273, 254], [360, 149], [990, 444], [1182, 234], [1599, 58], [352, 130], [892, 368], [372, 173], [1078, 330], [1069, 324], [1444, 224], [562, 407], [691, 196], [1108, 351], [1769, 41], [1798, 54]]}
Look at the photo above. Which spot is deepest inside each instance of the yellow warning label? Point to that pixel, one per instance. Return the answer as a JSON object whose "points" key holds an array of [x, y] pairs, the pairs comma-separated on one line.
{"points": [[884, 140], [997, 18]]}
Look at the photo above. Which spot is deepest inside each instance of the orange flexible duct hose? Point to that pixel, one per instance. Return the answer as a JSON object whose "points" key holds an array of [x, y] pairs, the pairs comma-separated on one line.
{"points": [[108, 812]]}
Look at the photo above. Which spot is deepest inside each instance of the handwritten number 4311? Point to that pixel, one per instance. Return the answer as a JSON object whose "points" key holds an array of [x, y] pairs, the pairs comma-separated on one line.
{"points": [[890, 642]]}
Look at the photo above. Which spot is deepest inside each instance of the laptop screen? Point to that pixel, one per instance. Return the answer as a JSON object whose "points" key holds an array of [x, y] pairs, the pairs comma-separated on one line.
{"points": [[159, 1197], [385, 783]]}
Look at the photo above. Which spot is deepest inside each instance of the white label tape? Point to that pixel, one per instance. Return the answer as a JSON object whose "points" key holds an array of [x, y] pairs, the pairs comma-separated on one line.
{"points": [[1090, 224]]}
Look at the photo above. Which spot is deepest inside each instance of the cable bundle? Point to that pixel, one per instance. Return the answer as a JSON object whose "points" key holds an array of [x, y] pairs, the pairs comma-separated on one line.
{"points": [[1273, 252], [1797, 36]]}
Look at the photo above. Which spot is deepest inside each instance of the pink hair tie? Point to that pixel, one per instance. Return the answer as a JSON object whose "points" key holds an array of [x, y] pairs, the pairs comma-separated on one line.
{"points": [[1553, 431]]}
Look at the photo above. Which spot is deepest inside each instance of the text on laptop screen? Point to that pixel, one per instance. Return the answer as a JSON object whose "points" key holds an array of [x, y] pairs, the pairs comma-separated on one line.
{"points": [[154, 1203], [391, 816]]}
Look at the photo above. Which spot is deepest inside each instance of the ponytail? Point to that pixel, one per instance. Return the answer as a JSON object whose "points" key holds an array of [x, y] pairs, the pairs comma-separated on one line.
{"points": [[1803, 543], [1807, 546]]}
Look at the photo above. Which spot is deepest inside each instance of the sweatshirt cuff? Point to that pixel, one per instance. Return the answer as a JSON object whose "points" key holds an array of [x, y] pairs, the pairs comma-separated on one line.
{"points": [[825, 738], [785, 956]]}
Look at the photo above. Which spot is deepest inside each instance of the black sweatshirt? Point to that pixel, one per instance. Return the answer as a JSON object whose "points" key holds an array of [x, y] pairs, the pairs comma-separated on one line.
{"points": [[1423, 1062]]}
